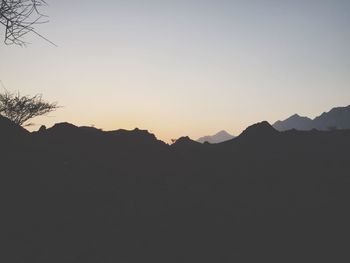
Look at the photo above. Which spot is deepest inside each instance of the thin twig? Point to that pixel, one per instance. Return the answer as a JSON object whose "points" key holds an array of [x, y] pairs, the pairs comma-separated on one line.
{"points": [[20, 18]]}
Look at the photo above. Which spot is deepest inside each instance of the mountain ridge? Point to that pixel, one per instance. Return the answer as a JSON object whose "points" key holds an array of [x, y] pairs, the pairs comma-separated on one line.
{"points": [[94, 196], [336, 118]]}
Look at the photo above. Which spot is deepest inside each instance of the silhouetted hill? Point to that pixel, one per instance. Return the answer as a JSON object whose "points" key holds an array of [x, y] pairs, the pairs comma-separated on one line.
{"points": [[187, 146], [80, 194], [8, 129], [184, 141], [337, 118], [69, 133], [216, 138], [136, 136], [259, 130]]}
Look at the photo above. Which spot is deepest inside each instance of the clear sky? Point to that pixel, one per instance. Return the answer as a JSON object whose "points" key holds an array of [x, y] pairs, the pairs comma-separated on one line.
{"points": [[185, 67]]}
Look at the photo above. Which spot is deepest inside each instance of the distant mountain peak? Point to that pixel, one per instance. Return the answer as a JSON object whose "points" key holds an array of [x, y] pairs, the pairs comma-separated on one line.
{"points": [[221, 136], [338, 118], [223, 133], [293, 121], [339, 109], [298, 117]]}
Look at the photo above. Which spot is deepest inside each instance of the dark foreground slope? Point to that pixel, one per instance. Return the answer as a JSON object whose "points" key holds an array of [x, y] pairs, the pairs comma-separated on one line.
{"points": [[71, 194]]}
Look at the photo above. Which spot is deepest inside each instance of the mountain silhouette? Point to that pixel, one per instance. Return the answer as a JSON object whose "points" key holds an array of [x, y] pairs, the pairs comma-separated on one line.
{"points": [[185, 140], [336, 118], [81, 194], [259, 130], [294, 122], [68, 132], [216, 138]]}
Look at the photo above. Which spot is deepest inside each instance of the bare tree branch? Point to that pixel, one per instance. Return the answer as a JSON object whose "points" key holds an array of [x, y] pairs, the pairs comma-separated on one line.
{"points": [[19, 18]]}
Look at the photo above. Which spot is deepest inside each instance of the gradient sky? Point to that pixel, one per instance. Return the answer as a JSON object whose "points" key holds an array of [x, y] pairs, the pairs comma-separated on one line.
{"points": [[185, 67]]}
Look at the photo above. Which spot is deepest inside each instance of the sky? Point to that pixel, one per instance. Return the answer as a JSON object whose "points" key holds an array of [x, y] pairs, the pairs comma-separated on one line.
{"points": [[185, 67]]}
